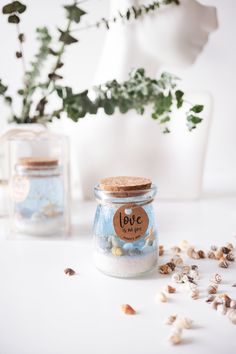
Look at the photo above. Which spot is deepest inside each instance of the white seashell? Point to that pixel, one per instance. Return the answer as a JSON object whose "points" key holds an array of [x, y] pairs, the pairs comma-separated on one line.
{"points": [[170, 320], [194, 294], [210, 298], [161, 297], [175, 249], [184, 245], [231, 314], [177, 260], [177, 277], [175, 337], [233, 304], [216, 278], [194, 274], [185, 269], [184, 323]]}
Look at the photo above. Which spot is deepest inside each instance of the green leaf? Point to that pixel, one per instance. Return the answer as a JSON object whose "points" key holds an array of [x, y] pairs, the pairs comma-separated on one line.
{"points": [[166, 131], [197, 108], [21, 37], [163, 103], [8, 99], [14, 6], [13, 19], [179, 98], [19, 55], [74, 13], [3, 88], [165, 120], [54, 76], [194, 119], [66, 38]]}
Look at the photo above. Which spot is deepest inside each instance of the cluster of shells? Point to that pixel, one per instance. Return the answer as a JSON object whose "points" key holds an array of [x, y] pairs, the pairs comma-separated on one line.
{"points": [[224, 255]]}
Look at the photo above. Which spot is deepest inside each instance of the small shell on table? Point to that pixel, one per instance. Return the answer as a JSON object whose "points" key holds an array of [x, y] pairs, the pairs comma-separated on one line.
{"points": [[230, 257], [170, 289], [231, 314], [183, 245], [165, 269], [177, 277], [192, 253], [175, 337], [201, 254], [194, 294], [210, 298], [128, 310], [218, 254], [170, 320], [212, 289], [216, 278], [161, 297], [223, 263], [184, 323], [211, 255]]}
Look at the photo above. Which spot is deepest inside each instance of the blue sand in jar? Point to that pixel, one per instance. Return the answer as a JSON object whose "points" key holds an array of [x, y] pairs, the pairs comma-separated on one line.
{"points": [[43, 193], [103, 229]]}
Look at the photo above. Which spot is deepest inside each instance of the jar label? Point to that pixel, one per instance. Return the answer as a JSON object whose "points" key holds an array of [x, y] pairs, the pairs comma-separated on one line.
{"points": [[19, 188], [130, 222]]}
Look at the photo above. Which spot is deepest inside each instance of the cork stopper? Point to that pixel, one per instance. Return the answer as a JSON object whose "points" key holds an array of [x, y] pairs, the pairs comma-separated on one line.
{"points": [[125, 184], [38, 162]]}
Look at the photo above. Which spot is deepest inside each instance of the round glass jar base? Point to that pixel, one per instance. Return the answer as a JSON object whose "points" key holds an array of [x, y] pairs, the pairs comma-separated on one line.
{"points": [[125, 266]]}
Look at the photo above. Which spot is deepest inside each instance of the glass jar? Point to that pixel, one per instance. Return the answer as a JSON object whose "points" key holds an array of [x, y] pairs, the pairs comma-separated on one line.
{"points": [[125, 233], [39, 184]]}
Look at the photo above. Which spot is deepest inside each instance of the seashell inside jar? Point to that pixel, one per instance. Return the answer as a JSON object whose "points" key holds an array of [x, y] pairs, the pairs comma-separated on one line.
{"points": [[125, 234]]}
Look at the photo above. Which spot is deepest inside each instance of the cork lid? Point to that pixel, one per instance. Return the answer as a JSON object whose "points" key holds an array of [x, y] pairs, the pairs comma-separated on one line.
{"points": [[38, 162], [124, 184]]}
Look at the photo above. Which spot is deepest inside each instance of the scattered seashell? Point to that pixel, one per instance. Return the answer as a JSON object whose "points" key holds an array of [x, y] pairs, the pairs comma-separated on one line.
{"points": [[171, 265], [175, 249], [183, 245], [161, 297], [223, 263], [215, 303], [230, 246], [210, 298], [186, 269], [211, 255], [69, 271], [194, 274], [214, 248], [117, 251], [194, 267], [226, 299], [177, 277], [216, 278], [212, 289], [170, 289], [192, 253], [225, 250], [233, 304], [231, 314], [230, 257], [128, 310], [184, 323], [177, 260], [194, 294], [175, 337], [165, 269], [170, 320], [201, 254], [218, 254]]}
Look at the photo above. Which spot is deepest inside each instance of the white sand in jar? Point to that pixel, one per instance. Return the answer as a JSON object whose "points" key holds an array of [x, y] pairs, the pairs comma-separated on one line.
{"points": [[44, 227], [125, 266]]}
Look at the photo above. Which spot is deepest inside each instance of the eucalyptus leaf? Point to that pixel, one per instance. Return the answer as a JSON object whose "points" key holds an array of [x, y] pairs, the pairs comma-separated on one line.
{"points": [[3, 88], [66, 38], [13, 19], [197, 108], [74, 13], [13, 7]]}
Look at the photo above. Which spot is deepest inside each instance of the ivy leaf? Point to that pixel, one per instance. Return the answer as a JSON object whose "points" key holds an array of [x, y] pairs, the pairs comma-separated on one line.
{"points": [[8, 99], [19, 55], [197, 108], [166, 131], [179, 98], [14, 6], [41, 106], [66, 38], [165, 120], [3, 88], [21, 37], [13, 19], [74, 13], [163, 103], [194, 119], [54, 76]]}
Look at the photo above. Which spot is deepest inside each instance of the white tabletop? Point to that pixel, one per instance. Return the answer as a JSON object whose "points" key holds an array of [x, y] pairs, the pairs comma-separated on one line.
{"points": [[43, 311]]}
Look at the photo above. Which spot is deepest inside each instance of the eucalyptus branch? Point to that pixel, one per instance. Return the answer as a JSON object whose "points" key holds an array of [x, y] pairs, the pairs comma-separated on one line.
{"points": [[131, 13]]}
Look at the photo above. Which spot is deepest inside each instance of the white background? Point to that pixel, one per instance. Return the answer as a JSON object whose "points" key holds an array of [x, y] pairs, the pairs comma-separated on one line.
{"points": [[214, 70]]}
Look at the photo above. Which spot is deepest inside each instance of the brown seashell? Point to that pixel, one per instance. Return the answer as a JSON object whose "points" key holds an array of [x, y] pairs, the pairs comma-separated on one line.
{"points": [[211, 255], [218, 254], [69, 271], [210, 298], [216, 278], [225, 250], [164, 269], [223, 263], [201, 254], [175, 249], [230, 246], [192, 253], [170, 289], [171, 265], [230, 257], [212, 289], [226, 299], [128, 310]]}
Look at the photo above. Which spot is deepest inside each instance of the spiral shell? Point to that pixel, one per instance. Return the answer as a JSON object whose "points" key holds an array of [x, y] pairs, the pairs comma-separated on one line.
{"points": [[177, 277], [201, 254], [212, 289], [223, 263], [184, 323], [194, 294], [230, 257], [211, 255], [165, 269], [216, 278], [192, 253], [170, 320]]}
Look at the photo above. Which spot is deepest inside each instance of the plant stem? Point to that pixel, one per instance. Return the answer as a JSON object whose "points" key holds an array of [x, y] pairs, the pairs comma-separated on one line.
{"points": [[21, 49]]}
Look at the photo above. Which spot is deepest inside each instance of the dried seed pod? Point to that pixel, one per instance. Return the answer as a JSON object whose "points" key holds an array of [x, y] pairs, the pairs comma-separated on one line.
{"points": [[210, 298], [128, 310], [164, 269], [222, 309], [175, 337], [184, 323], [211, 255], [225, 250], [170, 320], [183, 245], [161, 250], [170, 289], [177, 277], [69, 271], [219, 254], [233, 304], [216, 278], [231, 314], [230, 257], [192, 253], [201, 254], [161, 297], [214, 248], [185, 269], [212, 289], [194, 294], [175, 249], [230, 246], [223, 263]]}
